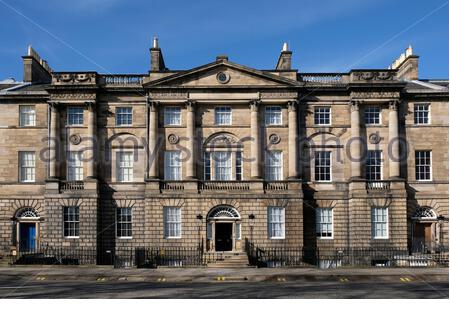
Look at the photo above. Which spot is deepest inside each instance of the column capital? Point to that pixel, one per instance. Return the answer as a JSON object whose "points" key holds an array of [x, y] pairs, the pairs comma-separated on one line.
{"points": [[292, 105], [90, 105], [254, 105], [354, 105], [393, 105], [190, 105], [152, 105]]}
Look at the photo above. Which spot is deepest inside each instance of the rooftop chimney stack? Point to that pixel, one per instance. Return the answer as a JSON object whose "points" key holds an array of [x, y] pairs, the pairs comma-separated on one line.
{"points": [[284, 61], [407, 65], [156, 57], [35, 69]]}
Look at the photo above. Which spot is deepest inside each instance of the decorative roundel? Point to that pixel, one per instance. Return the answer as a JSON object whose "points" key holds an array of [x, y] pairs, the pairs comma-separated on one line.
{"points": [[223, 77], [274, 138], [374, 138], [75, 139], [173, 139]]}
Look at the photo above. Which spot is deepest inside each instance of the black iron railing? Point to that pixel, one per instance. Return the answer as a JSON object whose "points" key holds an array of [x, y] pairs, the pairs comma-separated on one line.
{"points": [[332, 257]]}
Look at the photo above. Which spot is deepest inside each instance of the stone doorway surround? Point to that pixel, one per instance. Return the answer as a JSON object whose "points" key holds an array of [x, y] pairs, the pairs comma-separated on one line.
{"points": [[30, 216], [425, 229], [223, 214]]}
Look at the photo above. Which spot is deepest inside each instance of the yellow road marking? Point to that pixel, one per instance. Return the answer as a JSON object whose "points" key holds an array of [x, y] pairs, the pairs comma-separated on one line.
{"points": [[220, 278], [343, 279]]}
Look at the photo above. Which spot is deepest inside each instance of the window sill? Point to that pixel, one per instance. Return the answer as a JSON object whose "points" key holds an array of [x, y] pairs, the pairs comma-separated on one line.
{"points": [[277, 238], [27, 182], [172, 237], [75, 125], [118, 237], [71, 237], [325, 238]]}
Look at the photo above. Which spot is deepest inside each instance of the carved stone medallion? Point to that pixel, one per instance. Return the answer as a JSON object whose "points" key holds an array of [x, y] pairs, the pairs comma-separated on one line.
{"points": [[274, 138], [75, 139], [374, 138], [173, 139]]}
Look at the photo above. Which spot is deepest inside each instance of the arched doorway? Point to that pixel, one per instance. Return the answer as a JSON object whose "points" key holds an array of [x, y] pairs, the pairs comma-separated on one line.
{"points": [[223, 229], [27, 229], [424, 230]]}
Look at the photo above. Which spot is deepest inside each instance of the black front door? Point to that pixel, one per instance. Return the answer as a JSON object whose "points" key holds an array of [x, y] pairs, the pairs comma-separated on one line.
{"points": [[224, 234]]}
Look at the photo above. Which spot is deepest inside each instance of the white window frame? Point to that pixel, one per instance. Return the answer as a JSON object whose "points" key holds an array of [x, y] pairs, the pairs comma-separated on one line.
{"points": [[370, 166], [172, 116], [73, 225], [320, 110], [274, 167], [223, 115], [124, 112], [428, 111], [430, 166], [207, 176], [270, 222], [75, 169], [330, 167], [76, 113], [370, 113], [374, 222], [239, 165], [27, 115], [172, 233], [273, 115], [173, 166], [27, 167], [128, 223], [225, 165], [320, 222], [123, 166]]}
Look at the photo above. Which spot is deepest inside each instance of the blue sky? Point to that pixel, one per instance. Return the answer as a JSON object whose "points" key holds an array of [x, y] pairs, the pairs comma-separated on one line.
{"points": [[113, 36]]}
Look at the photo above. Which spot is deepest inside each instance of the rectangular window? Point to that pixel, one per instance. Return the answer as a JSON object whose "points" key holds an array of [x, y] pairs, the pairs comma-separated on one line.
{"points": [[27, 115], [75, 116], [222, 166], [274, 165], [239, 168], [124, 166], [323, 166], [421, 114], [124, 116], [273, 115], [71, 221], [275, 222], [374, 165], [74, 166], [207, 166], [322, 116], [27, 166], [324, 223], [124, 222], [423, 166], [172, 165], [372, 115], [172, 115], [379, 223], [172, 222], [223, 115]]}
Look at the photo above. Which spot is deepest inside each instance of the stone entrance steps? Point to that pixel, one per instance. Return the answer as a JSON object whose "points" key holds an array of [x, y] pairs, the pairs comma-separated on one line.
{"points": [[227, 260]]}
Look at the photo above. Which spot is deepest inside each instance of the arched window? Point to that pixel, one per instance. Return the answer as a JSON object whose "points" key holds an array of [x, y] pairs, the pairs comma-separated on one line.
{"points": [[27, 213], [223, 212], [424, 212]]}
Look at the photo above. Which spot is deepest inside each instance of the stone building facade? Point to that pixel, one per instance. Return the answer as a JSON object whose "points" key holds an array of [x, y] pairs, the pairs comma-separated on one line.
{"points": [[222, 153]]}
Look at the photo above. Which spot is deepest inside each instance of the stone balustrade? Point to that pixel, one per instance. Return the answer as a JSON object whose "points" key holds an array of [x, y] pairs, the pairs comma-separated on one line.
{"points": [[65, 186]]}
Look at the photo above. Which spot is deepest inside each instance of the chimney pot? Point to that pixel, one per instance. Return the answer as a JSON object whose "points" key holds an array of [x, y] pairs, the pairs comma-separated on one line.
{"points": [[155, 42]]}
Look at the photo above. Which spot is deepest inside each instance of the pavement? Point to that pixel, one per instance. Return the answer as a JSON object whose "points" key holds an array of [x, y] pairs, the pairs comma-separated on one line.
{"points": [[107, 282]]}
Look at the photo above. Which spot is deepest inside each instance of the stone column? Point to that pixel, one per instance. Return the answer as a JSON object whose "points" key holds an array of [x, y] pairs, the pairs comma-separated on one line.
{"points": [[293, 140], [190, 136], [54, 141], [394, 145], [255, 150], [355, 146], [152, 140], [92, 138]]}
